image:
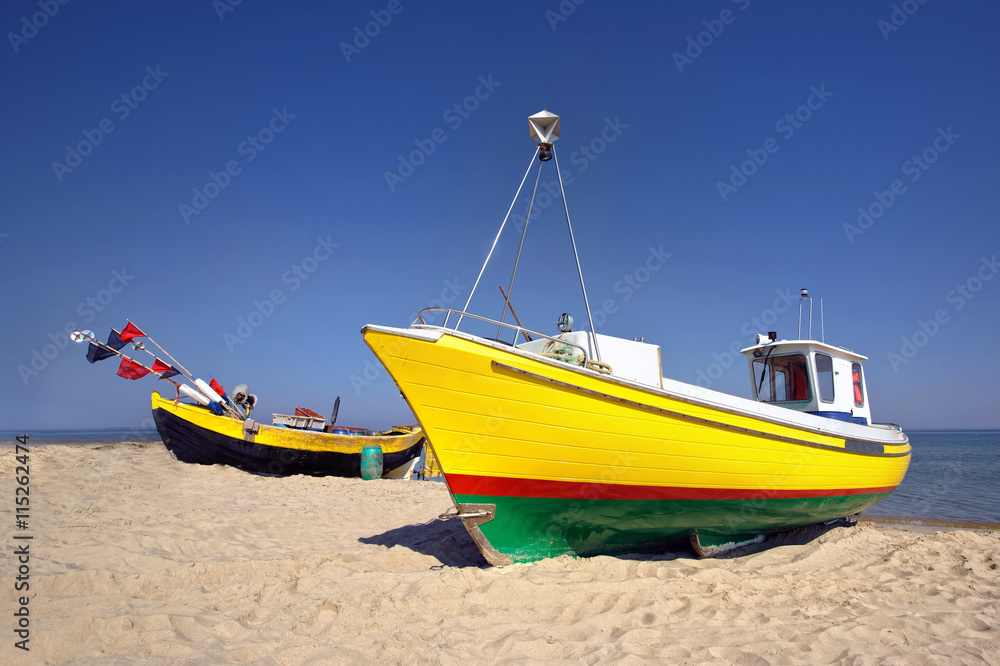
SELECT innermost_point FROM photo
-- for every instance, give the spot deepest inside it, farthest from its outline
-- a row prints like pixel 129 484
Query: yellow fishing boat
pixel 217 428
pixel 193 434
pixel 576 443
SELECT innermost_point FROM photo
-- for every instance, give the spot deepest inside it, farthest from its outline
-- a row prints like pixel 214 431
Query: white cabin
pixel 631 359
pixel 804 375
pixel 809 376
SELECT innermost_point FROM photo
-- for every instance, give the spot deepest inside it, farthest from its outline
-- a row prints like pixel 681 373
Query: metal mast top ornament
pixel 544 129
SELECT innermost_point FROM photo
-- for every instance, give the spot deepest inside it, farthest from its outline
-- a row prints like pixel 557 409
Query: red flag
pixel 164 369
pixel 217 387
pixel 131 331
pixel 131 370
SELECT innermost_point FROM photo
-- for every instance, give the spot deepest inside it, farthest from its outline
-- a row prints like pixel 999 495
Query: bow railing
pixel 529 335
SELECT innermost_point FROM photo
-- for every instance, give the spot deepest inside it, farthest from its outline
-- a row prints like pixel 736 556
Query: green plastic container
pixel 371 462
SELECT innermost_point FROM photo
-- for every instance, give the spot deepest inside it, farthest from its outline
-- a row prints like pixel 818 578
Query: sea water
pixel 954 475
pixel 85 436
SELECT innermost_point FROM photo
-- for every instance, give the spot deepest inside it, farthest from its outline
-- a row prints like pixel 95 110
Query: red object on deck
pixel 305 411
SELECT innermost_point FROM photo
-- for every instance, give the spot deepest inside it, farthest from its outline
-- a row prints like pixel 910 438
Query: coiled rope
pixel 571 355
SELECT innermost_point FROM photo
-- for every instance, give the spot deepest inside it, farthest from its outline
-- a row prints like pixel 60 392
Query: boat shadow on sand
pixel 446 540
pixel 450 543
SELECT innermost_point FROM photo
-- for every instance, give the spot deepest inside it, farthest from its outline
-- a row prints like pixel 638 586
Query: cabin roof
pixel 805 345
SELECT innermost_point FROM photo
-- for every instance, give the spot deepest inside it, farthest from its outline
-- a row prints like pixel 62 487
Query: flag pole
pixel 232 412
pixel 166 353
pixel 229 408
pixel 170 357
pixel 140 347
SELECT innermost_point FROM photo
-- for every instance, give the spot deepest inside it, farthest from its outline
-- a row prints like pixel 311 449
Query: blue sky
pixel 187 165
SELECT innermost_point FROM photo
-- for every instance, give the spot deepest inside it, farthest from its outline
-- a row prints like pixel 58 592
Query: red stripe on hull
pixel 465 484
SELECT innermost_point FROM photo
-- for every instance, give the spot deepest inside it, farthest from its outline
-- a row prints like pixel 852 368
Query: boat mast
pixel 494 246
pixel 517 261
pixel 545 130
pixel 579 269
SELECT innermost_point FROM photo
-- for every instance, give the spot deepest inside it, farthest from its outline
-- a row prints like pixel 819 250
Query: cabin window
pixel 824 377
pixel 859 392
pixel 782 378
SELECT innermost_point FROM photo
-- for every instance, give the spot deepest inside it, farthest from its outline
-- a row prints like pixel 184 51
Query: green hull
pixel 525 529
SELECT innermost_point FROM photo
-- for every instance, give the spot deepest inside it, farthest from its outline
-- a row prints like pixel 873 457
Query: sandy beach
pixel 137 557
